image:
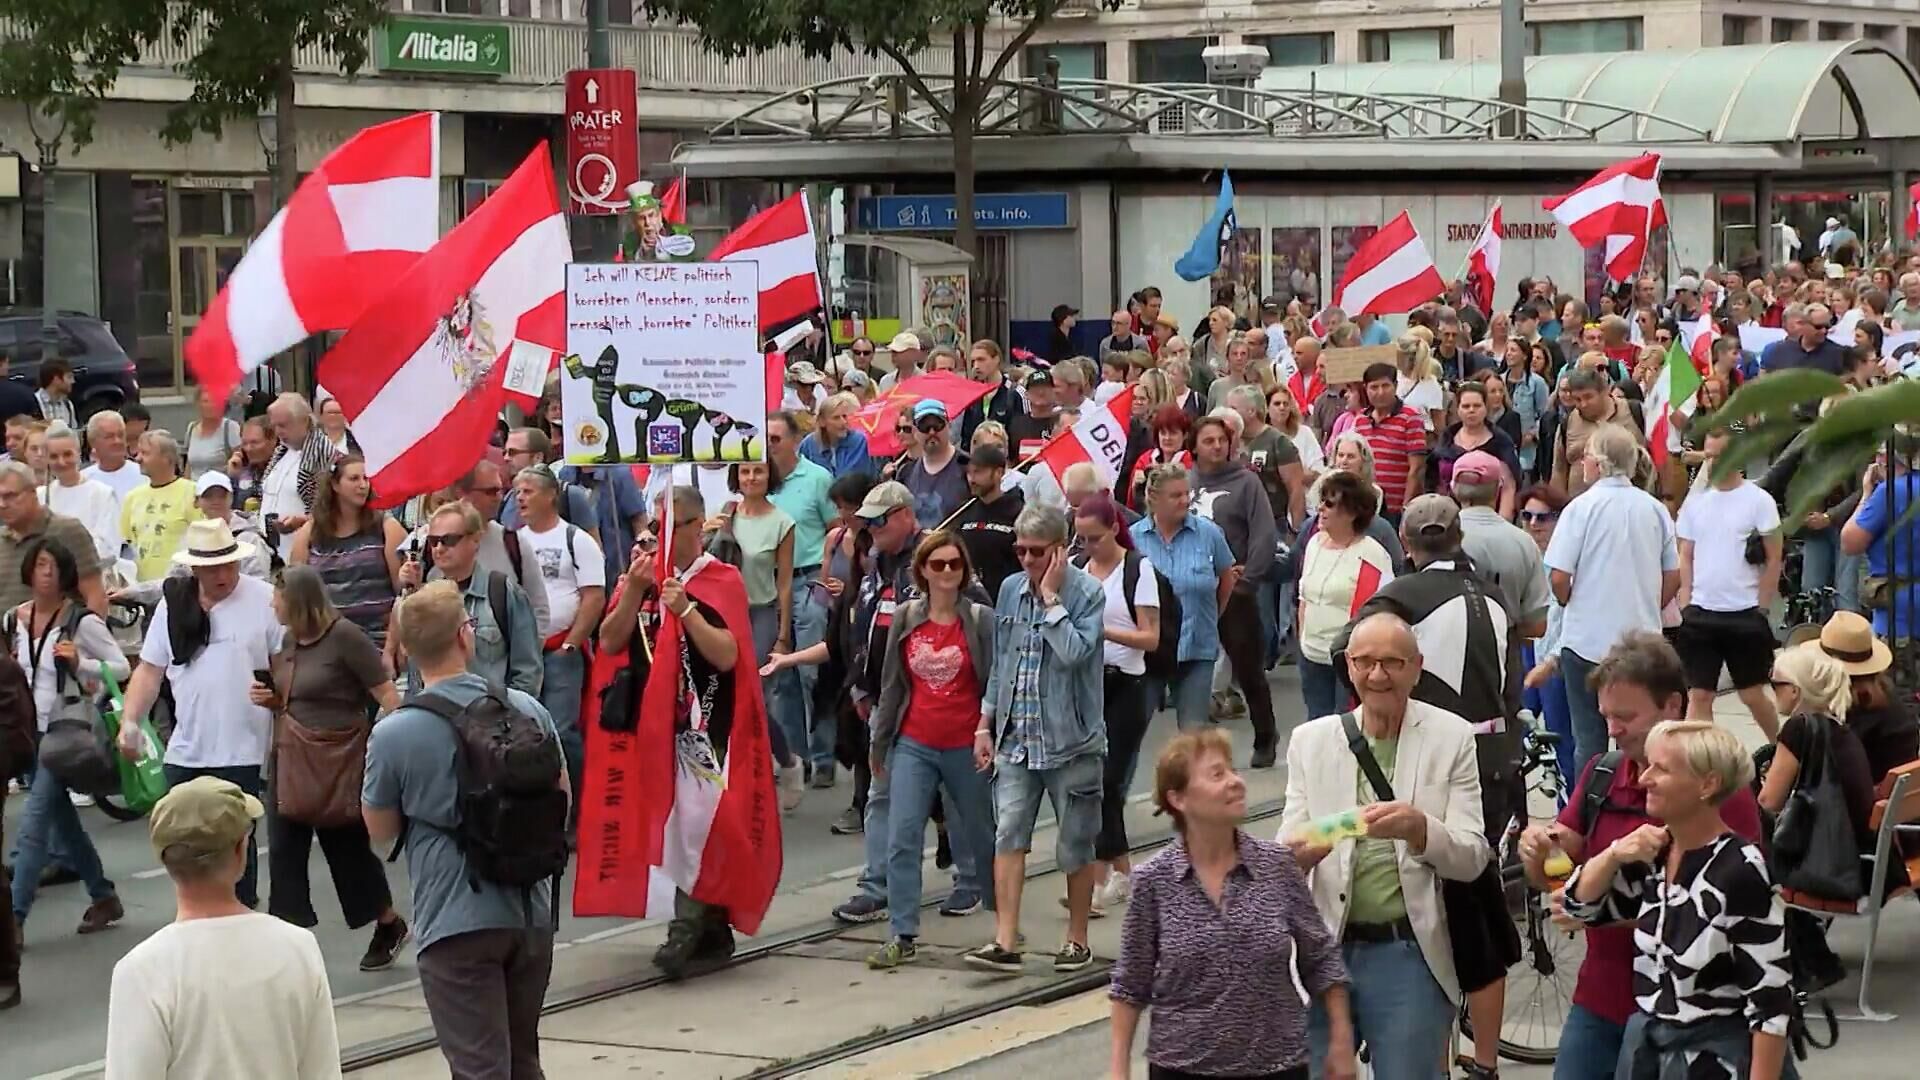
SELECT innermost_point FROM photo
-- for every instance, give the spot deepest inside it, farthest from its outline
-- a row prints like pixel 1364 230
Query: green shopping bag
pixel 142 782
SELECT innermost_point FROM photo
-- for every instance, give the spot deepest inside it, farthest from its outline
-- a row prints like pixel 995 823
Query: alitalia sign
pixel 445 46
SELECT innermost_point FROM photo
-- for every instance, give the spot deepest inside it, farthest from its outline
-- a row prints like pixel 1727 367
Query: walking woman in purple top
pixel 1222 940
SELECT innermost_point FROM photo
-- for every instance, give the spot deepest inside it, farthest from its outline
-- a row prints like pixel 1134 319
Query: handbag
pixel 76 747
pixel 317 772
pixel 1814 848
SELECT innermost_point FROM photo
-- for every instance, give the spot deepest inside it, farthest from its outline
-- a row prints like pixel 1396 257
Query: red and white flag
pixel 1483 262
pixel 1100 439
pixel 424 371
pixel 780 239
pixel 357 222
pixel 1619 208
pixel 1391 274
pixel 1913 211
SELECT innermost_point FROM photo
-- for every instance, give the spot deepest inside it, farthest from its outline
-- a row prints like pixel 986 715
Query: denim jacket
pixel 849 455
pixel 1072 702
pixel 896 682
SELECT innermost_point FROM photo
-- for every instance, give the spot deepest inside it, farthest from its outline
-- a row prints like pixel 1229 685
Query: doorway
pixel 200 269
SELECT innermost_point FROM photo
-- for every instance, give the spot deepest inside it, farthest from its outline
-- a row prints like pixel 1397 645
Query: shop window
pixel 1077 61
pixel 1175 60
pixel 1789 30
pixel 1872 32
pixel 1380 46
pixel 1836 31
pixel 1739 29
pixel 1296 50
pixel 1584 36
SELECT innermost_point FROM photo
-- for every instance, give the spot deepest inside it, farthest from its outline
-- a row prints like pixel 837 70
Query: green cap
pixel 207 815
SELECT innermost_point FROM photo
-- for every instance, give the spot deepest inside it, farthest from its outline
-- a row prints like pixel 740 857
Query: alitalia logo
pixel 450 47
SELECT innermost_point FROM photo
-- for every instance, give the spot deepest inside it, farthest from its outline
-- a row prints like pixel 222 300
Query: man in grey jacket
pixel 1228 493
pixel 1043 729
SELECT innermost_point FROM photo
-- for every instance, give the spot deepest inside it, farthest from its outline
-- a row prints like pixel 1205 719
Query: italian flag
pixel 1672 396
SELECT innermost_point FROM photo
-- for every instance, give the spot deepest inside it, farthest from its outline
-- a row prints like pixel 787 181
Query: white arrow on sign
pixel 593 91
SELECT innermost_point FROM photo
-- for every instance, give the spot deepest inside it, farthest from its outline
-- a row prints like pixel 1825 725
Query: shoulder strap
pixel 572 555
pixel 1473 686
pixel 1363 753
pixel 510 539
pixel 1599 782
pixel 497 600
pixel 1130 581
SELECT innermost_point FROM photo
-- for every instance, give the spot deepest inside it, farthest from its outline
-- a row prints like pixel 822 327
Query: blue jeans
pixel 876 836
pixel 1549 703
pixel 49 822
pixel 1583 706
pixel 1823 564
pixel 1192 689
pixel 248 779
pixel 814 733
pixel 764 620
pixel 1589 1047
pixel 1399 1011
pixel 920 771
pixel 560 692
pixel 1319 689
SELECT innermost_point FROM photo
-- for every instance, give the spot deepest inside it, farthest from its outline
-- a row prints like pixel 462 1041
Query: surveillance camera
pixel 805 97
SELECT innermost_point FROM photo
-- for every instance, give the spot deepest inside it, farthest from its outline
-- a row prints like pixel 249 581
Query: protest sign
pixel 1343 366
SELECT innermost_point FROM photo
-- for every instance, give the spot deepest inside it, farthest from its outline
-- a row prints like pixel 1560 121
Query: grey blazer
pixel 896 683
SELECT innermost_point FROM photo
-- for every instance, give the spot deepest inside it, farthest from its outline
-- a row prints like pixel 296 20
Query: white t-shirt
pixel 93 504
pixel 564 573
pixel 1424 395
pixel 1146 594
pixel 122 480
pixel 182 1008
pixel 215 725
pixel 91 639
pixel 1717 524
pixel 280 496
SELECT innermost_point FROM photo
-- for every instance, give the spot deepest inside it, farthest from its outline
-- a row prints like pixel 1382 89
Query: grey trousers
pixel 484 990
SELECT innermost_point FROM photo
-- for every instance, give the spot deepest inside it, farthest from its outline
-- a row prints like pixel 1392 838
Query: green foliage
pixel 60 57
pixel 244 46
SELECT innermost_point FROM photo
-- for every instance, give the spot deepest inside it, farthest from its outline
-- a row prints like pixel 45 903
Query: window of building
pixel 619 12
pixel 1077 61
pixel 1296 50
pixel 1170 61
pixel 459 7
pixel 1913 45
pixel 1739 29
pixel 1836 31
pixel 1584 36
pixel 1789 30
pixel 1876 33
pixel 520 9
pixel 1380 46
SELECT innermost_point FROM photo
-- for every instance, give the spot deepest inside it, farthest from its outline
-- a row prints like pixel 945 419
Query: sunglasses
pixel 445 540
pixel 1024 552
pixel 928 427
pixel 944 566
pixel 903 429
pixel 862 352
pixel 1536 517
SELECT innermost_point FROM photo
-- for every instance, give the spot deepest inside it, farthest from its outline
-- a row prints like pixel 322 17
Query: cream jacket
pixel 1438 772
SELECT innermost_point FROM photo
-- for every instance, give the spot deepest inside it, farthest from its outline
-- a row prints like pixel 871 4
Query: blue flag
pixel 1203 258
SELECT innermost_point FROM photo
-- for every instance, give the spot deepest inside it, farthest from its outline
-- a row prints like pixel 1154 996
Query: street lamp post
pixel 47 152
pixel 266 127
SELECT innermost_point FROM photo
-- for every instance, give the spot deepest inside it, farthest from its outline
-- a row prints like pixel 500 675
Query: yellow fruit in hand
pixel 1558 865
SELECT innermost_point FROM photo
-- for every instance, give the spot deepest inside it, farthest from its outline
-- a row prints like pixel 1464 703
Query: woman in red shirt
pixel 1171 428
pixel 932 681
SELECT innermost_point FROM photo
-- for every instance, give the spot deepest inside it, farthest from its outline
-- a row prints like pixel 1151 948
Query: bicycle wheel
pixel 111 806
pixel 1540 986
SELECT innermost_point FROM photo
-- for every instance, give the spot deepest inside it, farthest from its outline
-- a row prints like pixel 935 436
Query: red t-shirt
pixel 1394 442
pixel 943 704
pixel 1605 985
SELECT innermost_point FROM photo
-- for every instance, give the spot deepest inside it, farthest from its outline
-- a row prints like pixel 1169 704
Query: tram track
pixel 407 1044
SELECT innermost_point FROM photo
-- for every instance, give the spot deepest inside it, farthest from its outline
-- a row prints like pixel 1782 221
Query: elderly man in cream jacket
pixel 1376 863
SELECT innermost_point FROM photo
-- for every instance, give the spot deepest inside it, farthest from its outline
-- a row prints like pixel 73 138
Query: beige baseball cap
pixel 207 815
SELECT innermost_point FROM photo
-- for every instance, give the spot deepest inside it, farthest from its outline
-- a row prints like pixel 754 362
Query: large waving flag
pixel 1391 274
pixel 423 373
pixel 780 239
pixel 878 416
pixel 1618 209
pixel 358 221
pixel 1100 438
pixel 1671 395
pixel 1483 262
pixel 1203 258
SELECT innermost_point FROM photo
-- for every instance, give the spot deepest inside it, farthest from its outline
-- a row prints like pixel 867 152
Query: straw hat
pixel 210 542
pixel 1849 638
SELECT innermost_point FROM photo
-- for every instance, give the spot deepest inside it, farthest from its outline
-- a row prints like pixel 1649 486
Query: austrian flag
pixel 1391 273
pixel 1483 262
pixel 780 239
pixel 1618 209
pixel 424 371
pixel 1100 439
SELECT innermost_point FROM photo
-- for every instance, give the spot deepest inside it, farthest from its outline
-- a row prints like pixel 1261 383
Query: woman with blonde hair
pixel 1210 351
pixel 1179 373
pixel 1712 983
pixel 836 445
pixel 1814 693
pixel 1419 380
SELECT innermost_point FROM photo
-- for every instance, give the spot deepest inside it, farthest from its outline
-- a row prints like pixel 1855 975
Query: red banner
pixel 603 139
pixel 879 416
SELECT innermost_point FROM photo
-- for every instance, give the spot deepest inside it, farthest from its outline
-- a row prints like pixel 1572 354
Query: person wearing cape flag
pixel 679 815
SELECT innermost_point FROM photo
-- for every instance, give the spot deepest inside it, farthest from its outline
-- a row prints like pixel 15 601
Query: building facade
pixel 143 233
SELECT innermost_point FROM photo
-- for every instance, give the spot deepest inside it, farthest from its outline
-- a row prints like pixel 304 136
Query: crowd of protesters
pixel 1444 547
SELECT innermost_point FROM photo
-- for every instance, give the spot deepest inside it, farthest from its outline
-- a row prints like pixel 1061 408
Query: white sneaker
pixel 792 782
pixel 1116 890
pixel 78 799
pixel 14 788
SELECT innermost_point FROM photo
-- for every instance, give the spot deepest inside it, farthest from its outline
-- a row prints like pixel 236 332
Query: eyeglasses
pixel 1778 683
pixel 1023 552
pixel 445 540
pixel 1538 517
pixel 931 425
pixel 903 429
pixel 944 566
pixel 1392 665
pixel 861 352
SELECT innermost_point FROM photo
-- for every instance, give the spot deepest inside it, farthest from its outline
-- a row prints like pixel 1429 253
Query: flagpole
pixel 1466 262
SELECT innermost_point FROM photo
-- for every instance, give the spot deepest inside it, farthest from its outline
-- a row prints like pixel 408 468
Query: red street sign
pixel 603 141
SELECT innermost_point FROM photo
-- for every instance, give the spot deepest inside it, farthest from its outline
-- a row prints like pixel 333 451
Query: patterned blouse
pixel 1712 944
pixel 1230 985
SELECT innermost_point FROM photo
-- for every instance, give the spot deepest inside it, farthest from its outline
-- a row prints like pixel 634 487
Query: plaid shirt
pixel 1023 720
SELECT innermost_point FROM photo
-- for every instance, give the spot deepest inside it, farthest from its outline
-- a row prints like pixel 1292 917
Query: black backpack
pixel 1163 660
pixel 513 814
pixel 1593 798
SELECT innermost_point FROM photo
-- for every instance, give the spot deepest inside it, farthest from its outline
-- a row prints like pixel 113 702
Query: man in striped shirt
pixel 1397 436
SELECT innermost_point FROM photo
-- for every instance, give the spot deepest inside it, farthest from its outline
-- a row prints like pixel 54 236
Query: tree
pixel 898 29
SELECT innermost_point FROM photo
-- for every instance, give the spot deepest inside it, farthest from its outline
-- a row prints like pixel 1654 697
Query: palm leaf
pixel 1826 467
pixel 1755 442
pixel 1877 410
pixel 1776 395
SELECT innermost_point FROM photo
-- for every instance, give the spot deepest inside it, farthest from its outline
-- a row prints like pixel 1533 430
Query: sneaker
pixel 960 904
pixel 861 909
pixel 1072 957
pixel 1116 890
pixel 994 958
pixel 14 788
pixel 101 914
pixel 79 800
pixel 384 949
pixel 822 778
pixel 793 786
pixel 893 954
pixel 1095 910
pixel 1263 757
pixel 851 822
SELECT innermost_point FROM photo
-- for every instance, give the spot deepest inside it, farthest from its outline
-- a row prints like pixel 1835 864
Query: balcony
pixel 666 58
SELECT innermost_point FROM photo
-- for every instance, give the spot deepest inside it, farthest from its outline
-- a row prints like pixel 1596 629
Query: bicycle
pixel 1540 986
